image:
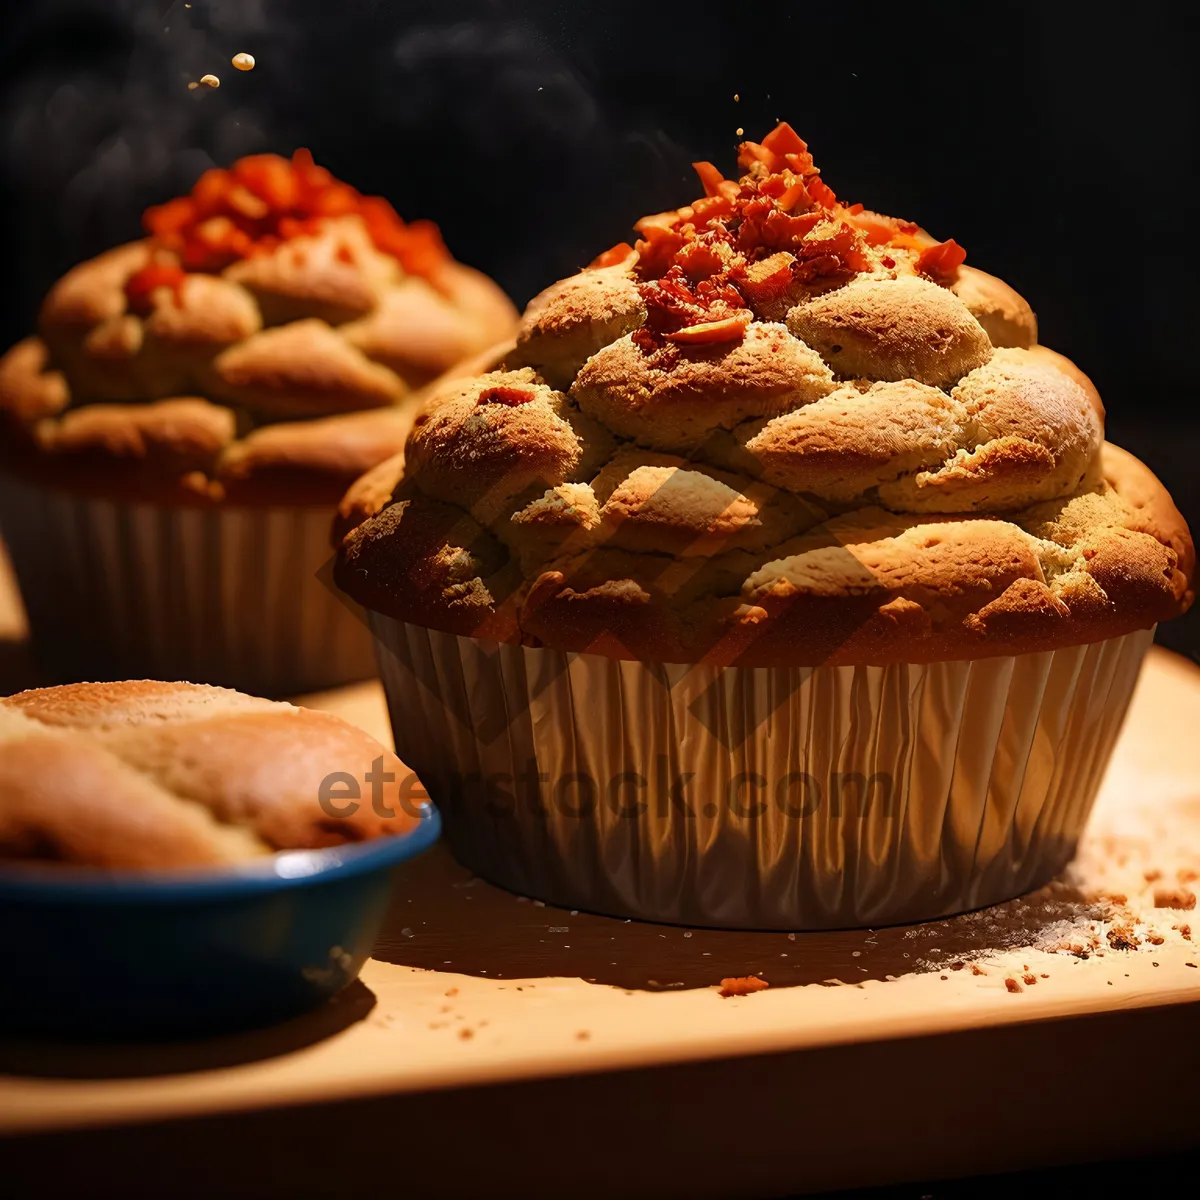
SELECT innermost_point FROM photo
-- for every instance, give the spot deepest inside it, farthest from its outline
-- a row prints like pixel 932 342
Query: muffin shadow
pixel 443 918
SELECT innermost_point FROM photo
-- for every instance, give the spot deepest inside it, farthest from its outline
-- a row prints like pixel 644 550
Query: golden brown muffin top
pixel 779 428
pixel 144 775
pixel 261 345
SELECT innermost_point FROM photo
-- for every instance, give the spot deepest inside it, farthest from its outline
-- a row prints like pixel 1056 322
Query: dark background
pixel 1057 142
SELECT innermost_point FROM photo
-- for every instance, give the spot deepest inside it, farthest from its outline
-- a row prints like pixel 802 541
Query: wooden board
pixel 610 1038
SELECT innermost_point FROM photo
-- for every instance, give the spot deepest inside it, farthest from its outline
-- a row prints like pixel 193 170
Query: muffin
pixel 778 579
pixel 141 775
pixel 174 439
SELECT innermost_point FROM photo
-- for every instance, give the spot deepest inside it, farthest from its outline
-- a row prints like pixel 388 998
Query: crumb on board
pixel 466 1034
pixel 1187 875
pixel 976 969
pixel 1155 939
pixel 1013 985
pixel 582 1036
pixel 1122 937
pixel 1178 897
pixel 1185 931
pixel 1151 875
pixel 452 992
pixel 742 986
pixel 1030 978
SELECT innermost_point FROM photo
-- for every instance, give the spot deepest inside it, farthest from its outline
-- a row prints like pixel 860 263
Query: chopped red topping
pixel 505 394
pixel 613 256
pixel 767 279
pixel 672 303
pixel 746 242
pixel 264 200
pixel 941 260
pixel 141 286
pixel 725 329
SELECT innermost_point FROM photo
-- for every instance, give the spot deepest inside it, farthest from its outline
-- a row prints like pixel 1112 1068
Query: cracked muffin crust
pixel 779 429
pixel 260 346
pixel 144 775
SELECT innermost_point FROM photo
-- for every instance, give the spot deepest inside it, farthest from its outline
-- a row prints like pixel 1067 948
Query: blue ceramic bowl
pixel 188 953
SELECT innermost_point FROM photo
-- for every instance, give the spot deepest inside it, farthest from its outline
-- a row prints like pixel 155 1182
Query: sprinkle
pixel 243 61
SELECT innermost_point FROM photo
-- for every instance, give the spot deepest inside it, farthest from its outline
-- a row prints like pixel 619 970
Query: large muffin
pixel 258 350
pixel 780 432
pixel 780 429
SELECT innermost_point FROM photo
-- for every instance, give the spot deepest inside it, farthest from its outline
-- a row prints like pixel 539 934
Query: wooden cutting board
pixel 496 1044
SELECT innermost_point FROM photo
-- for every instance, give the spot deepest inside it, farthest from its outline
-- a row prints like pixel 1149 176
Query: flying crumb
pixel 736 97
pixel 1179 897
pixel 742 987
pixel 1153 874
pixel 210 81
pixel 193 86
pixel 243 61
pixel 1013 985
pixel 1186 875
pixel 740 131
pixel 1185 931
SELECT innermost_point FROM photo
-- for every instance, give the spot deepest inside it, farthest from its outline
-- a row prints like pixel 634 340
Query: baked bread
pixel 145 775
pixel 780 429
pixel 261 345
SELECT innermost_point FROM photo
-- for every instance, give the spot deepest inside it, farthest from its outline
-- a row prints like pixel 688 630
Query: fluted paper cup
pixel 230 596
pixel 767 798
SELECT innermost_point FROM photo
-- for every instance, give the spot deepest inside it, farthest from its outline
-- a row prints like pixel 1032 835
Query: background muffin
pixel 781 432
pixel 194 404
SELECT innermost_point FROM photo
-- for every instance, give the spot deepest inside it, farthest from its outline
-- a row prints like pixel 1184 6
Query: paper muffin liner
pixel 768 798
pixel 231 596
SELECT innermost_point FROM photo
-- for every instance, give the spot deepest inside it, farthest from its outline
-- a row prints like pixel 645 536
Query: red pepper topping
pixel 781 212
pixel 264 200
pixel 613 256
pixel 511 397
pixel 673 304
pixel 141 286
pixel 942 260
